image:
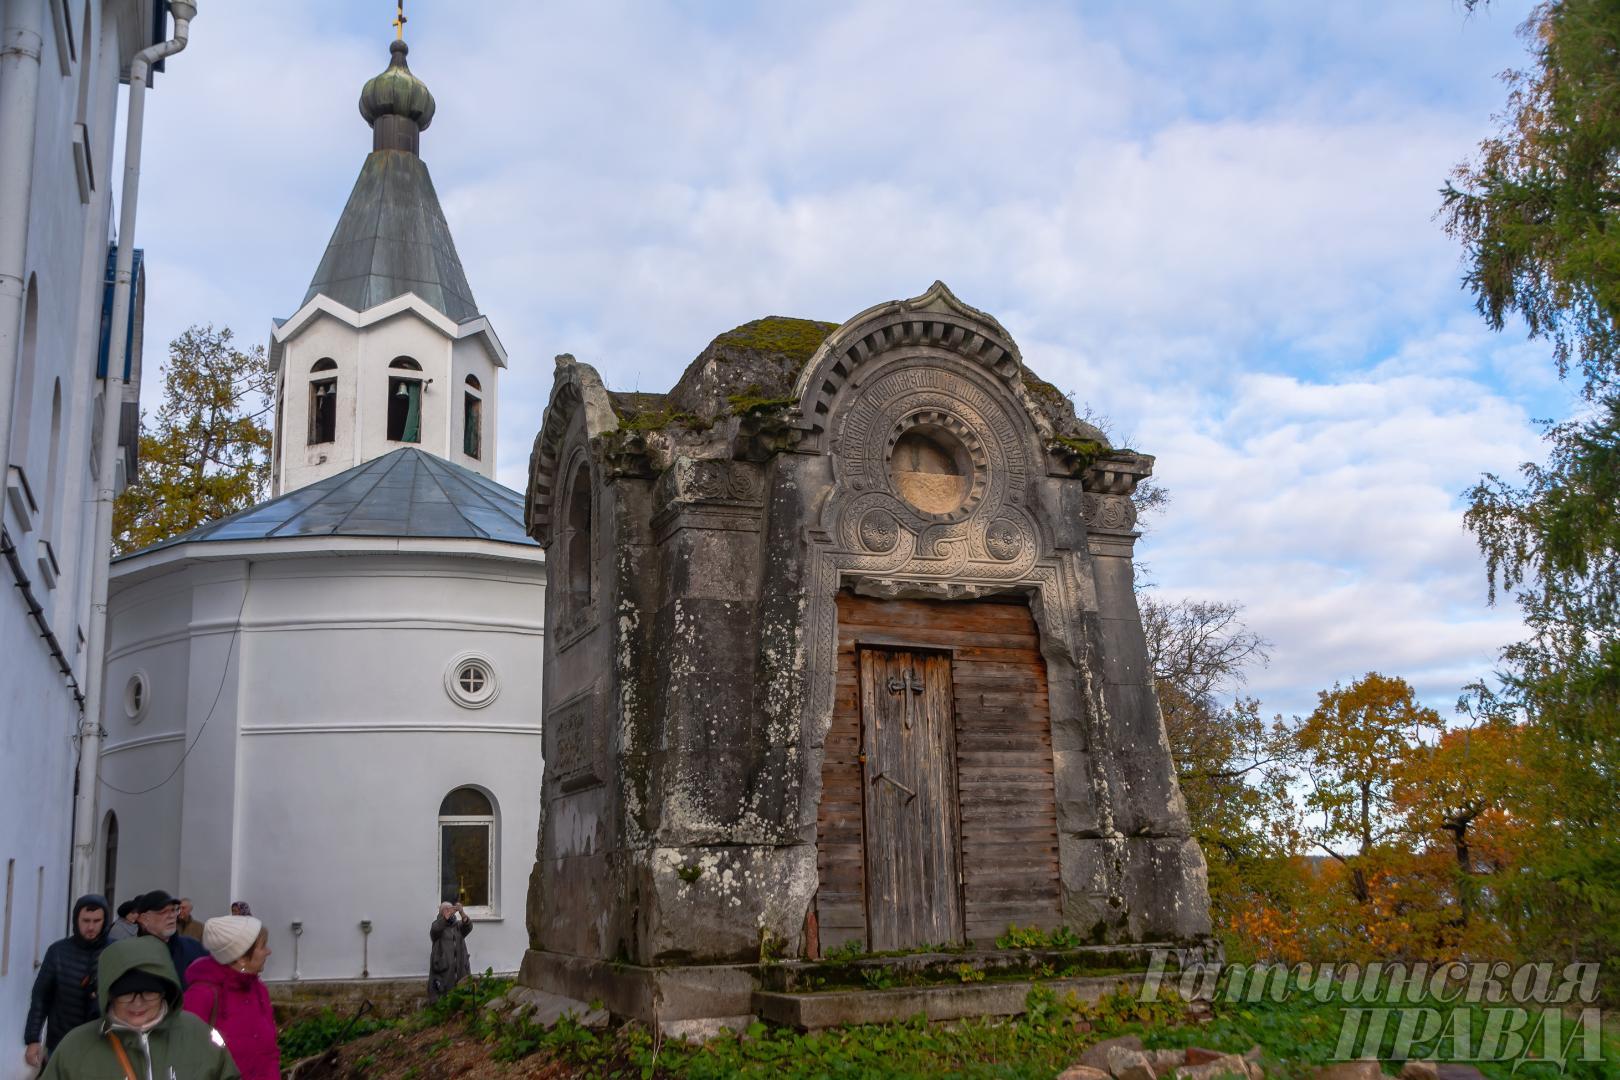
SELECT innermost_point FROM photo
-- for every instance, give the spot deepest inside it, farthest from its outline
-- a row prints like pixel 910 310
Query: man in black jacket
pixel 158 915
pixel 65 988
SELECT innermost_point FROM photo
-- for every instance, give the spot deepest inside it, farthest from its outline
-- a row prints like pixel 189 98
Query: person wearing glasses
pixel 143 1032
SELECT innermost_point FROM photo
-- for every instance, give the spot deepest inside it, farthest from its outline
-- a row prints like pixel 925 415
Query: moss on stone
pixel 1086 450
pixel 753 401
pixel 660 420
pixel 1042 390
pixel 782 335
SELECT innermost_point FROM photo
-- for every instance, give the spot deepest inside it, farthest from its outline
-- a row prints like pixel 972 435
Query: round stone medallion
pixel 879 531
pixel 933 466
pixel 1003 540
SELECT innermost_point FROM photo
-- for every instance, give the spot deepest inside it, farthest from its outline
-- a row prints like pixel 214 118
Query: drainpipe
pixel 21 40
pixel 112 399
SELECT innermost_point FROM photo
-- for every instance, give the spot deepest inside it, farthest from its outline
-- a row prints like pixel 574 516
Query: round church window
pixel 931 470
pixel 470 681
pixel 136 695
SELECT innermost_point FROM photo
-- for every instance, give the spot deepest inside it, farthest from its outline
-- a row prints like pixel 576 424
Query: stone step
pixel 832 1008
pixel 547 1010
pixel 797 976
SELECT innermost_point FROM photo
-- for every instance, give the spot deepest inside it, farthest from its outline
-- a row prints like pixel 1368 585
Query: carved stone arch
pixel 577 394
pixel 936 320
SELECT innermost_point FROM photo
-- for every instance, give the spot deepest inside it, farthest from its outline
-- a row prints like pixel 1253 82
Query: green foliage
pixel 852 949
pixel 1033 937
pixel 1535 212
pixel 467 997
pixel 1353 746
pixel 323 1031
pixel 689 874
pixel 207 453
pixel 771 946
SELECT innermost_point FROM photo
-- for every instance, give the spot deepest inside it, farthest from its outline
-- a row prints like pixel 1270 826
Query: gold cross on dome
pixel 399 21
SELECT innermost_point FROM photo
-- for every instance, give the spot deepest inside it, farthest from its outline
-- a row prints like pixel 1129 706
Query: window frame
pixel 460 694
pixel 319 388
pixel 491 824
pixel 472 424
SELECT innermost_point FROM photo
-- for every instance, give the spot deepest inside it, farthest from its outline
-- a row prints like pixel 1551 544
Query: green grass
pixel 1295 1035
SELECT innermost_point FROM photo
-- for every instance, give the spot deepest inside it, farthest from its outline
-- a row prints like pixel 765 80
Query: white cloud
pixel 1213 224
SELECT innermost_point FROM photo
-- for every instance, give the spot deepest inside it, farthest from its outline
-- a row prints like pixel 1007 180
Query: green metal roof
pixel 393 239
pixel 405 493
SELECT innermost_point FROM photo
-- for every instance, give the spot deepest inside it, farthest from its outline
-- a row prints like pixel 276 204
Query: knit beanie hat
pixel 229 937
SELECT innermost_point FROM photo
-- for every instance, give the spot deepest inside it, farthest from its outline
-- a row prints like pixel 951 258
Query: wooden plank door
pixel 908 747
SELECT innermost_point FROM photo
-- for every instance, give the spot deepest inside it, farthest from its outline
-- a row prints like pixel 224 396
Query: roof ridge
pixel 365 469
pixel 440 481
pixel 477 481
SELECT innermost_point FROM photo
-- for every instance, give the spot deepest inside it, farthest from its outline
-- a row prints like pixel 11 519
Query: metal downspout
pixel 112 397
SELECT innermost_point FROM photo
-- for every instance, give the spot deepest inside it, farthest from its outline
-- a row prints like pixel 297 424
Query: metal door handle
pixel 885 776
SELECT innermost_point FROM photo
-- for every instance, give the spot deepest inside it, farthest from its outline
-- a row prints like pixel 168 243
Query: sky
pixel 1212 224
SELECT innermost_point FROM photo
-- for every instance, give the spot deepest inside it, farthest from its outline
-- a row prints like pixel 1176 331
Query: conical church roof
pixel 392 237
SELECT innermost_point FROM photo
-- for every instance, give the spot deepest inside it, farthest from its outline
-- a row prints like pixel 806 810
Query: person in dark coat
pixel 158 914
pixel 449 963
pixel 143 1031
pixel 65 987
pixel 125 926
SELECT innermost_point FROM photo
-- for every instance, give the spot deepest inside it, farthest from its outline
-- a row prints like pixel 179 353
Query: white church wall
pixel 377 854
pixel 403 335
pixel 470 357
pixel 150 640
pixel 301 461
pixel 220 665
pixel 322 806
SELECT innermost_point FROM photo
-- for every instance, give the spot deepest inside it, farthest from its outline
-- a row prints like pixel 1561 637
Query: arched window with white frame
pixel 467 838
pixel 472 418
pixel 404 401
pixel 323 401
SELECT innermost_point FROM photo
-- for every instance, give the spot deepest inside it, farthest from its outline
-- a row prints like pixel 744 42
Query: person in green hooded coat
pixel 143 1033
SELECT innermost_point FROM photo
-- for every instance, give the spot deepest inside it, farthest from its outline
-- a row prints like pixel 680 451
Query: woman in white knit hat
pixel 224 989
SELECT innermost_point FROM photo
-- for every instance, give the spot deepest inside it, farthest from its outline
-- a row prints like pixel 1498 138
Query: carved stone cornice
pixel 710 493
pixel 1117 472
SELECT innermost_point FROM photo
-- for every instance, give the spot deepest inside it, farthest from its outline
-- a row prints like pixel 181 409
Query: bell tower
pixel 388 350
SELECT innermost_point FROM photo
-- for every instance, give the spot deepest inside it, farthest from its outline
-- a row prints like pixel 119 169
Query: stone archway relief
pixel 985 540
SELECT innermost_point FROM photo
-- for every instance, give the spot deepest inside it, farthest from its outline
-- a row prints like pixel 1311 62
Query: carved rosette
pixel 711 480
pixel 1110 513
pixel 935 469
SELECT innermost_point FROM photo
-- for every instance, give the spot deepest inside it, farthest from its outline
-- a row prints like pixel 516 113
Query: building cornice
pixel 284 331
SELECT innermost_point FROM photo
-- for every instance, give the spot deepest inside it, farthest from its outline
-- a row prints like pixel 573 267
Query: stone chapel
pixel 842 648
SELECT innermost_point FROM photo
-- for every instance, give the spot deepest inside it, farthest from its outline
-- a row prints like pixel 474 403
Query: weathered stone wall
pixel 688 701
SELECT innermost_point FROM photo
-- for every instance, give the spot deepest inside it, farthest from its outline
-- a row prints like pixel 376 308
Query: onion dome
pixel 396 104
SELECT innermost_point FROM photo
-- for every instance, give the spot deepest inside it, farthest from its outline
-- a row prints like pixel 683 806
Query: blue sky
pixel 1213 224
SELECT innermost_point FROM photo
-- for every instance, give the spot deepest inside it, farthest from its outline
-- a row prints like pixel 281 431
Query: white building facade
pixel 327 706
pixel 62 64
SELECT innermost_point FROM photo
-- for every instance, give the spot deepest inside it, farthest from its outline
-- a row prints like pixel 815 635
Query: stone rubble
pixel 1125 1058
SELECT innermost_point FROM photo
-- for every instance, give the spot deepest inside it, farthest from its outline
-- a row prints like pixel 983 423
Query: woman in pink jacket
pixel 224 989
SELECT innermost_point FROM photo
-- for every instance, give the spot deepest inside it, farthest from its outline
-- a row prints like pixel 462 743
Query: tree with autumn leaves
pixel 206 454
